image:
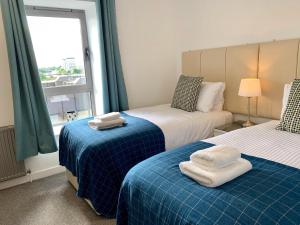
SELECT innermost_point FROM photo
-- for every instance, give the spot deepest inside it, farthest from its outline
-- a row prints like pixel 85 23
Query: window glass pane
pixel 58 48
pixel 64 108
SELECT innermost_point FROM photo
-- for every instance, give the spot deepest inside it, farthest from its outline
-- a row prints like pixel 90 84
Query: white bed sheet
pixel 264 141
pixel 181 127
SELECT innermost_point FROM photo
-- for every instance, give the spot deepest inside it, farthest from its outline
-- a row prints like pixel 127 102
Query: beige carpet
pixel 50 201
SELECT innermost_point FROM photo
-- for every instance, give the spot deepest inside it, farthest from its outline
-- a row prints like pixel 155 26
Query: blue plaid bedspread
pixel 101 159
pixel 155 192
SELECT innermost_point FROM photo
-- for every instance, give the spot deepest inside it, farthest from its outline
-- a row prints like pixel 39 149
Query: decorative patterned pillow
pixel 187 93
pixel 290 120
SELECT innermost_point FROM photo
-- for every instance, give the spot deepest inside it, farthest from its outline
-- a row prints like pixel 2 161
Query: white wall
pixel 152 33
pixel 217 23
pixel 6 103
pixel 148 49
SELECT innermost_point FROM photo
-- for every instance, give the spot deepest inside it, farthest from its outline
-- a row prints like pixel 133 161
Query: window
pixel 60 43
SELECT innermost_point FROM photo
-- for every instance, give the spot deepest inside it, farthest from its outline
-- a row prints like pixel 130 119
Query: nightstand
pixel 228 127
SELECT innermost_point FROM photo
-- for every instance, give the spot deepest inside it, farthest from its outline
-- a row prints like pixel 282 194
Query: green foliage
pixel 44 77
pixel 58 70
pixel 76 71
pixel 44 70
pixel 61 71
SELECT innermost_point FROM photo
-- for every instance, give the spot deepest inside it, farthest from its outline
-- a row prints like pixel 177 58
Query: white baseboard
pixel 47 172
pixel 31 177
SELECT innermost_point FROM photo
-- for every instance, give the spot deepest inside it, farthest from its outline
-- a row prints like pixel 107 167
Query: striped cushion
pixel 290 120
pixel 187 93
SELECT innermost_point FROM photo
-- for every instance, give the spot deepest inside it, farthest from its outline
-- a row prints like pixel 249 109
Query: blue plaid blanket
pixel 101 159
pixel 155 192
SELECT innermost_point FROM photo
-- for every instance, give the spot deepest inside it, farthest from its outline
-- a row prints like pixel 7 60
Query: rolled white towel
pixel 216 156
pixel 100 125
pixel 216 178
pixel 108 117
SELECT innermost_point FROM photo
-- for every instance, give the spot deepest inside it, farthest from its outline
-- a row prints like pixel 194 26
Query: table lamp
pixel 249 87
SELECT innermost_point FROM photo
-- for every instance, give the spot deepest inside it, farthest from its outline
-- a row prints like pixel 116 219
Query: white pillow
pixel 211 96
pixel 285 99
pixel 219 102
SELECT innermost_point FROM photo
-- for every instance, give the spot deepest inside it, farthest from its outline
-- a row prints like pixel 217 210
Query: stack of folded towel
pixel 215 166
pixel 107 121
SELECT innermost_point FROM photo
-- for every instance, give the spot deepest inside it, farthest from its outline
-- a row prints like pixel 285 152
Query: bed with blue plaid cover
pixel 101 159
pixel 155 192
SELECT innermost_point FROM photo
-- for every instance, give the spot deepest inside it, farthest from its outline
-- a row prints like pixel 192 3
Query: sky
pixel 55 39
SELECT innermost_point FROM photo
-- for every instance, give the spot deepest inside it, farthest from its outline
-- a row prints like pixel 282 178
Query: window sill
pixel 57 129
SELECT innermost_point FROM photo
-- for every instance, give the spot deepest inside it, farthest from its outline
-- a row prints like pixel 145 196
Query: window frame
pixel 76 14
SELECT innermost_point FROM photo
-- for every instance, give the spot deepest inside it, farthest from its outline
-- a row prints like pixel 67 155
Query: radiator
pixel 9 167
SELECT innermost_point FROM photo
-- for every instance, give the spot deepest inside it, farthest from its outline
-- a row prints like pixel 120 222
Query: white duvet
pixel 264 141
pixel 181 127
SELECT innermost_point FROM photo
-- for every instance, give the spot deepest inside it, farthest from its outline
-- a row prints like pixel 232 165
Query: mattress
pixel 181 127
pixel 264 141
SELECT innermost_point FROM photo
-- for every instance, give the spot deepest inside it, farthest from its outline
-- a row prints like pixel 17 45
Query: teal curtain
pixel 114 90
pixel 34 133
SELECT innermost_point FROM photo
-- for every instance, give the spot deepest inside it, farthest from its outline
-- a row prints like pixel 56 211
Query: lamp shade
pixel 250 87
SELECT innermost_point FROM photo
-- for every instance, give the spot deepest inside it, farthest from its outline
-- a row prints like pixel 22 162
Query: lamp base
pixel 248 123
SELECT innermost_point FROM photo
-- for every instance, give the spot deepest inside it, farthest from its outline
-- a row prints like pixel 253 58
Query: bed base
pixel 73 180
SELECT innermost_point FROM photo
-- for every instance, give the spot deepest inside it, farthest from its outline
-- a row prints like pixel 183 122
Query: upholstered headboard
pixel 274 63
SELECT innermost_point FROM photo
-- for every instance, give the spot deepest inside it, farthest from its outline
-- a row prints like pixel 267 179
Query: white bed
pixel 264 141
pixel 181 127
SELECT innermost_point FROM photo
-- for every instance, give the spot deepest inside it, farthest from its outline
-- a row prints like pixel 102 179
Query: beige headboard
pixel 274 63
